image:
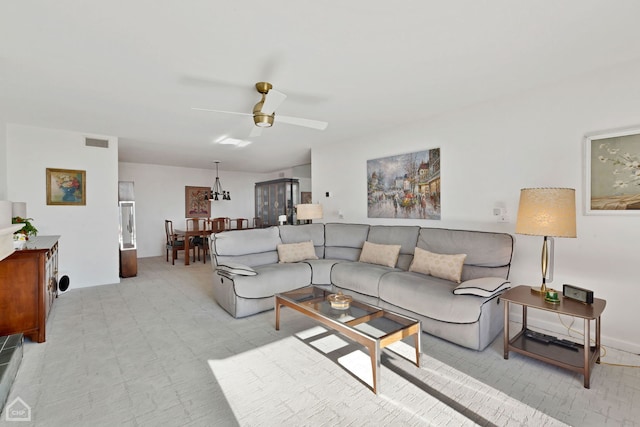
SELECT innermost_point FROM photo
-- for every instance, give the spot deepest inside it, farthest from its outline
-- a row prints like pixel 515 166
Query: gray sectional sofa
pixel 247 273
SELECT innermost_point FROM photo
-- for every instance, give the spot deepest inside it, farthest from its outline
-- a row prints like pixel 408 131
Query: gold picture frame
pixel 66 187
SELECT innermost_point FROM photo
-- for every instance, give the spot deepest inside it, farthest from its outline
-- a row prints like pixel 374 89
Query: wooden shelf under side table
pixel 580 361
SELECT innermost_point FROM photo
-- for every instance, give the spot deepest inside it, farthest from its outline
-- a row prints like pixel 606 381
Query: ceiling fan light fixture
pixel 264 114
pixel 264 87
pixel 263 120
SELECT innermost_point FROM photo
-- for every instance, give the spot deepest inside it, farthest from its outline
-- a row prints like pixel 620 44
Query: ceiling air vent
pixel 94 142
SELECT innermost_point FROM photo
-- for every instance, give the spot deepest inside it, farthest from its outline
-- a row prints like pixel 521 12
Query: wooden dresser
pixel 28 287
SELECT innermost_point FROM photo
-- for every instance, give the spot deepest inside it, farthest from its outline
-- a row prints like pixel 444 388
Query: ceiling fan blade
pixel 221 111
pixel 273 101
pixel 255 131
pixel 315 124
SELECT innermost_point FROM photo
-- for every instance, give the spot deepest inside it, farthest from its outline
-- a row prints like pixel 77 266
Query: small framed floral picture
pixel 612 173
pixel 66 187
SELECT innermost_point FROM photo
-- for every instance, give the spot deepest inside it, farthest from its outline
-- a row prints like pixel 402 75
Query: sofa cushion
pixel 358 276
pixel 304 233
pixel 254 260
pixel 321 270
pixel 447 267
pixel 404 235
pixel 295 252
pixel 482 287
pixel 344 241
pixel 429 296
pixel 488 253
pixel 243 242
pixel 272 279
pixel 374 253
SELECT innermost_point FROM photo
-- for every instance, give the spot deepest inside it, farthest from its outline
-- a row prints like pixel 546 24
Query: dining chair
pixel 241 223
pixel 217 225
pixel 194 223
pixel 175 243
pixel 257 222
pixel 198 242
pixel 211 225
pixel 226 221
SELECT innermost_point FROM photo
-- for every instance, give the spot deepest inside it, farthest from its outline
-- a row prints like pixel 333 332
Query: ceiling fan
pixel 264 111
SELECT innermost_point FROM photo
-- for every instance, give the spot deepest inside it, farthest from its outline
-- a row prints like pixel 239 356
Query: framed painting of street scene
pixel 404 186
pixel 612 173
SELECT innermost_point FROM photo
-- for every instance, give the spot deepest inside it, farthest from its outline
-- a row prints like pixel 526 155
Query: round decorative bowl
pixel 339 301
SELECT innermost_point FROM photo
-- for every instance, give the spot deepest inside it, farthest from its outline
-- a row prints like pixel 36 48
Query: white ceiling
pixel 134 68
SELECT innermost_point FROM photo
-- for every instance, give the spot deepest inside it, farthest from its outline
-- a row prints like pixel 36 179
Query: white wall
pixel 490 152
pixel 3 160
pixel 89 234
pixel 159 194
pixel 302 173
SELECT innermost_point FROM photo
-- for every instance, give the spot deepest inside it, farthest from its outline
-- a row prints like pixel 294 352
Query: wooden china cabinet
pixel 28 287
pixel 275 198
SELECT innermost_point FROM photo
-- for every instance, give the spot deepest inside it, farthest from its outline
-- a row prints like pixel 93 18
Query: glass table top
pixel 368 319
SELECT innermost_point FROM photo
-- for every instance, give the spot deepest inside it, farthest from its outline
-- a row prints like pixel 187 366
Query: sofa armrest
pixel 482 287
pixel 234 268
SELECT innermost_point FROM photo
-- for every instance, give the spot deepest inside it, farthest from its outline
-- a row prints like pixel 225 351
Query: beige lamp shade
pixel 309 211
pixel 547 212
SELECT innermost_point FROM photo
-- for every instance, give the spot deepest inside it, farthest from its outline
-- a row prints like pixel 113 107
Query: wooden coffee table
pixel 370 326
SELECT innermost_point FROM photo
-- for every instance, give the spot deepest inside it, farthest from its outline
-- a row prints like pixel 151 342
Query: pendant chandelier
pixel 217 191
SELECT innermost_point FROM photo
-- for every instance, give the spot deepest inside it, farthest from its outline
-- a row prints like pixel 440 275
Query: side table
pixel 580 361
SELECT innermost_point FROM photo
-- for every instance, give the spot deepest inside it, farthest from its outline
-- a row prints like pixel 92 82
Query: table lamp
pixel 308 212
pixel 547 212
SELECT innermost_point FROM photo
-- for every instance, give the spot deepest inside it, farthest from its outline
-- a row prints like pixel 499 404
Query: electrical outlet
pixel 503 218
pixel 501 214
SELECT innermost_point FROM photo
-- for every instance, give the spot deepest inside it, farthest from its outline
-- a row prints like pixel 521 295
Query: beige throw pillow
pixel 447 267
pixel 374 253
pixel 294 252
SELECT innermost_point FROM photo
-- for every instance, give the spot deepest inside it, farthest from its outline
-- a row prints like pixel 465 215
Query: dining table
pixel 204 233
pixel 188 234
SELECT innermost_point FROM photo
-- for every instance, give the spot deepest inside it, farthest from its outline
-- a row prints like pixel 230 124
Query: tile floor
pixel 157 350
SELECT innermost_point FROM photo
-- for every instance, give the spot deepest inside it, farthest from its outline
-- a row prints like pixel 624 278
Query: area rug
pixel 318 378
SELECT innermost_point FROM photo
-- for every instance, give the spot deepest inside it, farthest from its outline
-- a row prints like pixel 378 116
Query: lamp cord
pixel 603 349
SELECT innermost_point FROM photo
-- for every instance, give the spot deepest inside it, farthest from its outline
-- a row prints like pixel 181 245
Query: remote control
pixel 566 343
pixel 538 336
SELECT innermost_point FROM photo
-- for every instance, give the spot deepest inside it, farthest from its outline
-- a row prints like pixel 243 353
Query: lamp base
pixel 539 290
